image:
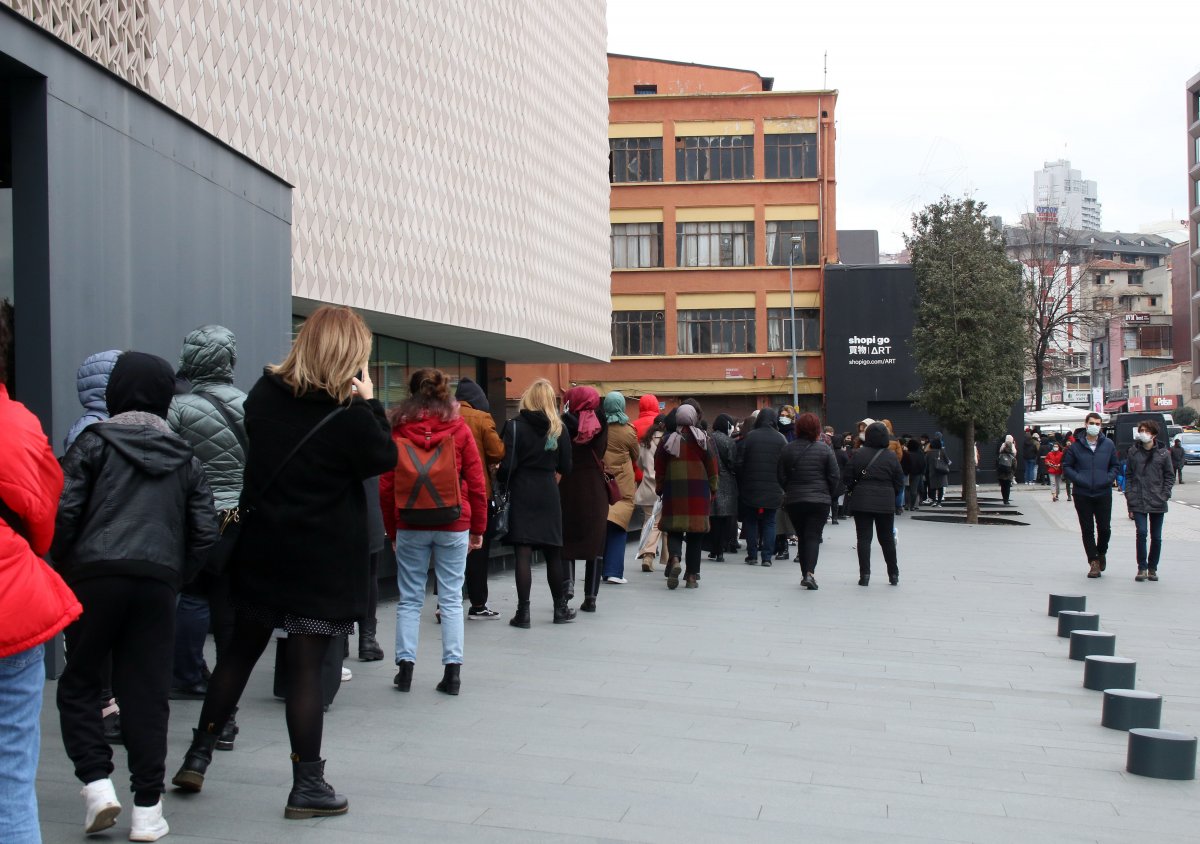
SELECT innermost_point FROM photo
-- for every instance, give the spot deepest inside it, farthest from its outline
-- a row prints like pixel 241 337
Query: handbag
pixel 501 504
pixel 611 487
pixel 234 520
pixel 941 464
pixel 853 482
pixel 228 521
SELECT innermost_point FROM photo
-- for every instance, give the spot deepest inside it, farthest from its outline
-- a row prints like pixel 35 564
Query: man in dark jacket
pixel 1178 458
pixel 1091 464
pixel 134 523
pixel 759 492
pixel 1029 453
pixel 475 409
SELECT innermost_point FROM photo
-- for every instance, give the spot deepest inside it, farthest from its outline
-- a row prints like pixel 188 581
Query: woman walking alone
pixel 418 513
pixel 809 475
pixel 536 457
pixel 685 471
pixel 1054 458
pixel 584 492
pixel 316 433
pixel 1149 478
pixel 874 481
pixel 620 458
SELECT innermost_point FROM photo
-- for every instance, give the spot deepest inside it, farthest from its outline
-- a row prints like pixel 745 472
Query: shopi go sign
pixel 871 351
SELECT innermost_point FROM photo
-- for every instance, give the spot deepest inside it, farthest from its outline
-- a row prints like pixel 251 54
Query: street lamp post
pixel 792 304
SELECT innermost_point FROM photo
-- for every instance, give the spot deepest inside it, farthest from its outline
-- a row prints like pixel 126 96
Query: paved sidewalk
pixel 944 709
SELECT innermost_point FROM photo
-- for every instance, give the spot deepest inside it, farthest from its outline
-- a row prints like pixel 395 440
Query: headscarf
pixel 614 408
pixel 581 402
pixel 723 423
pixel 685 417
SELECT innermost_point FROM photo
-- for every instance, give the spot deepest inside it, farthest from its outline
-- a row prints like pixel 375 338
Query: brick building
pixel 715 178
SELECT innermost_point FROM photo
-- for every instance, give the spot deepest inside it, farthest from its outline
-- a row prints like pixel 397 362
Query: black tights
pixel 305 702
pixel 556 571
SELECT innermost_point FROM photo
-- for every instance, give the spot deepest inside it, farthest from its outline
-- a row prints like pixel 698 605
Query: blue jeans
pixel 448 549
pixel 1155 521
pixel 22 677
pixel 760 532
pixel 614 550
pixel 191 629
pixel 1030 471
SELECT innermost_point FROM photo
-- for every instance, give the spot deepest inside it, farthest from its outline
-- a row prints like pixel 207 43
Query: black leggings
pixel 556 571
pixel 477 572
pixel 883 524
pixel 305 701
pixel 809 522
pixel 695 544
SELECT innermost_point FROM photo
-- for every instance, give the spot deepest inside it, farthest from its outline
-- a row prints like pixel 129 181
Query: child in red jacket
pixel 1054 468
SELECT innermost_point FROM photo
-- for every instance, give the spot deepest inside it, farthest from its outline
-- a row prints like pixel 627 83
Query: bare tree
pixel 1060 314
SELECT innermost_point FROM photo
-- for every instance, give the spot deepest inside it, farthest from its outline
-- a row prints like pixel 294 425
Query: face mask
pixel 785 421
pixel 1054 448
pixel 1143 436
pixel 1093 430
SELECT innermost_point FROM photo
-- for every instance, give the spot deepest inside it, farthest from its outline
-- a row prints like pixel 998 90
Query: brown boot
pixel 1094 568
pixel 647 562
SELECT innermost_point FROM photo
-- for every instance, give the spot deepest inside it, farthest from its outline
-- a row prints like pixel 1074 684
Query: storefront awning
pixel 1112 406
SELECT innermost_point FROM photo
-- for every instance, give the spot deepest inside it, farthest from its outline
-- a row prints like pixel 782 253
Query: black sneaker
pixel 485 613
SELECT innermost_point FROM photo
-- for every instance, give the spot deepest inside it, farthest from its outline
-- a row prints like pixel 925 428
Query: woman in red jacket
pixel 438 458
pixel 35 603
pixel 1054 467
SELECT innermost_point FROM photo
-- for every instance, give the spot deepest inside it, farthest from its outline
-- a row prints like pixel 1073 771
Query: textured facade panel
pixel 449 158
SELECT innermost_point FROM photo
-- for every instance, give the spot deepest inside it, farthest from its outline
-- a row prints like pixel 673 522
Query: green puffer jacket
pixel 207 360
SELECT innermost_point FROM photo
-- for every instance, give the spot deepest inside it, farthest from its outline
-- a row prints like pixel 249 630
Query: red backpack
pixel 427 489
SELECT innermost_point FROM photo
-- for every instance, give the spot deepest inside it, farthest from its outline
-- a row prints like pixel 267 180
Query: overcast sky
pixel 955 96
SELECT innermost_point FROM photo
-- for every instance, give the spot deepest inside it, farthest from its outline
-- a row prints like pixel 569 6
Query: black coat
pixel 584 497
pixel 808 473
pixel 135 502
pixel 758 464
pixel 527 472
pixel 304 548
pixel 843 461
pixel 875 491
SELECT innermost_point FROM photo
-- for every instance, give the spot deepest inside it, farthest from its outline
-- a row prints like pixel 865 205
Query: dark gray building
pixel 122 225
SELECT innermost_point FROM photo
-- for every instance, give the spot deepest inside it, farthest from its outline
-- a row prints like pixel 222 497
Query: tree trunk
pixel 1039 380
pixel 970 494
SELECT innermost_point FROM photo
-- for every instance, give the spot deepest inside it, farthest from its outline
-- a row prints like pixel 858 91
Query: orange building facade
pixel 717 180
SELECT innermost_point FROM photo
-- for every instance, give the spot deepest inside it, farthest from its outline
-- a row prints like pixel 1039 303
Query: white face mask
pixel 785 420
pixel 1093 430
pixel 1144 437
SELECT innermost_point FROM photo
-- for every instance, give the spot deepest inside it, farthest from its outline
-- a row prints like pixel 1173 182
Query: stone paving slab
pixel 944 709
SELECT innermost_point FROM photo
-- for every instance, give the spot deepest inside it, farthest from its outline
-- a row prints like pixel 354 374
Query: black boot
pixel 196 761
pixel 588 605
pixel 451 682
pixel 311 795
pixel 521 619
pixel 562 611
pixel 404 672
pixel 368 646
pixel 570 564
pixel 864 579
pixel 591 580
pixel 226 739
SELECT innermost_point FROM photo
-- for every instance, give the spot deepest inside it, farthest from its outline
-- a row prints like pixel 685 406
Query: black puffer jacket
pixel 808 473
pixel 875 491
pixel 135 503
pixel 758 464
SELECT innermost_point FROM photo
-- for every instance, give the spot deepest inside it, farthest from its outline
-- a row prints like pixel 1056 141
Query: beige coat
pixel 619 460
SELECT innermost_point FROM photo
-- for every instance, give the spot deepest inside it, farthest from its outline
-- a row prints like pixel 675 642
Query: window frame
pixel 808 324
pixel 695 160
pixel 623 322
pixel 684 238
pixel 809 250
pixel 801 156
pixel 647 242
pixel 715 331
pixel 646 154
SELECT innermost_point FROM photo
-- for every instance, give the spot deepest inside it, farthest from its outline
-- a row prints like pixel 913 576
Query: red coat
pixel 472 491
pixel 1054 462
pixel 647 410
pixel 35 603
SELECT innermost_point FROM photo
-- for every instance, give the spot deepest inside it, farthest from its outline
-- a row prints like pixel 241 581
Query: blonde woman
pixel 536 456
pixel 315 433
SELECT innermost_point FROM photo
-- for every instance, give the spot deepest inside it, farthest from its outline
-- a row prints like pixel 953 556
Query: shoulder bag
pixel 941 463
pixel 233 520
pixel 853 482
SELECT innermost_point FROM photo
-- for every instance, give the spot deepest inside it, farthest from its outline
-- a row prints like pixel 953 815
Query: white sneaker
pixel 346 675
pixel 615 580
pixel 148 823
pixel 102 806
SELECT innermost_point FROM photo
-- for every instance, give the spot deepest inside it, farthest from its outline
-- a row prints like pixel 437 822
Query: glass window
pixel 714 158
pixel 1137 392
pixel 729 331
pixel 391 370
pixel 779 330
pixel 635 160
pixel 636 245
pixel 779 240
pixel 1135 276
pixel 790 156
pixel 639 333
pixel 1079 382
pixel 714 244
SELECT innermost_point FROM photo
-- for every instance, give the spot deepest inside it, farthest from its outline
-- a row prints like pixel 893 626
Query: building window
pixel 779 241
pixel 1153 301
pixel 1079 382
pixel 1159 389
pixel 729 331
pixel 790 156
pixel 635 160
pixel 1135 277
pixel 639 333
pixel 1125 301
pixel 714 244
pixel 714 158
pixel 636 245
pixel 1137 392
pixel 643 90
pixel 779 330
pixel 1099 278
pixel 1153 338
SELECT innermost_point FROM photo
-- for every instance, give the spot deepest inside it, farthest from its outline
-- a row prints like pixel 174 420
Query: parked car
pixel 1191 447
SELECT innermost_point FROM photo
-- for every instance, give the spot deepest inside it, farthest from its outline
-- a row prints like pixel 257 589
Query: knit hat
pixel 140 381
pixel 473 394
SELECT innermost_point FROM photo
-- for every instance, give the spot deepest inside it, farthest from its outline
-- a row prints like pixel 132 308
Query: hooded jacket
pixel 1092 473
pixel 207 359
pixel 135 503
pixel 874 489
pixel 757 462
pixel 91 381
pixel 647 411
pixel 427 433
pixel 474 408
pixel 35 603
